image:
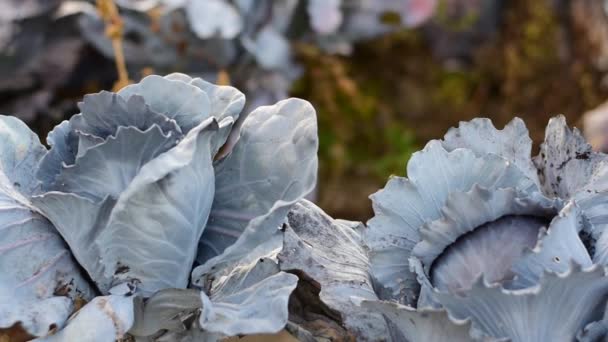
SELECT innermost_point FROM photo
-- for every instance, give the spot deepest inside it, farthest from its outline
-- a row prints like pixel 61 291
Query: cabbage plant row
pixel 141 222
pixel 49 45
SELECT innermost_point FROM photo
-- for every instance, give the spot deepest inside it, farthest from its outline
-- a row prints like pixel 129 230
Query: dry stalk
pixel 114 30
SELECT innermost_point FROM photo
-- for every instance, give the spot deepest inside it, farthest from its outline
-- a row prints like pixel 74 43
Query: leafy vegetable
pixel 40 280
pixel 488 243
pixel 191 229
pixel 131 183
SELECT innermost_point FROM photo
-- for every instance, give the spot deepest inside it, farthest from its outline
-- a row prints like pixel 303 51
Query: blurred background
pixel 385 76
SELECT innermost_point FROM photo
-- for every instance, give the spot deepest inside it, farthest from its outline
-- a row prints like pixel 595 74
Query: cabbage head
pixel 135 191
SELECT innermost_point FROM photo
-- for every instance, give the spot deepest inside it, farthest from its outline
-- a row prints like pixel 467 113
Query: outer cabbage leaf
pixel 37 266
pixel 331 254
pixel 568 168
pixel 251 299
pixel 34 317
pixel 480 136
pixel 424 324
pixel 149 232
pixel 104 319
pixel 556 309
pixel 63 150
pixel 594 331
pixel 272 166
pixel 102 116
pixel 566 162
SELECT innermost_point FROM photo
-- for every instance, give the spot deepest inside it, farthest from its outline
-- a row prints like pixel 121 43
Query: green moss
pixel 461 22
pixel 454 88
pixel 402 144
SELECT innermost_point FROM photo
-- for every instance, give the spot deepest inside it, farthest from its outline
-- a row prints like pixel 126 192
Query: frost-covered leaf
pixel 331 253
pixel 570 169
pixel 37 265
pixel 273 165
pixel 566 161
